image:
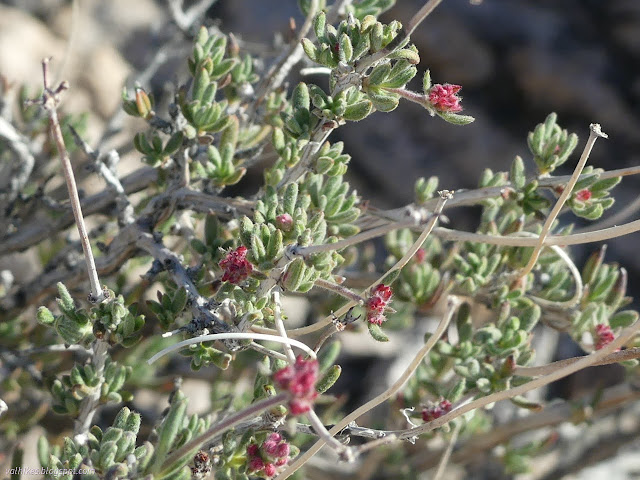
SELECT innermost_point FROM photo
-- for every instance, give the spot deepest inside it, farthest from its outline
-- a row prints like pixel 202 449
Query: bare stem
pixel 339 289
pixel 416 20
pixel 355 239
pixel 516 240
pixel 50 101
pixel 384 396
pixel 615 357
pixel 232 336
pixel 447 453
pixel 594 133
pixel 280 326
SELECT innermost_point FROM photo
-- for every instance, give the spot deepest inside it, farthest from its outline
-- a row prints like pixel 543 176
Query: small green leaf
pixel 377 333
pixel 329 378
pixel 455 118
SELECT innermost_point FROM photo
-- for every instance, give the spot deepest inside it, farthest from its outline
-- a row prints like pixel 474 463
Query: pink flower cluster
pixel 284 222
pixel 299 380
pixel 236 266
pixel 273 453
pixel 604 336
pixel 436 411
pixel 377 302
pixel 583 195
pixel 444 98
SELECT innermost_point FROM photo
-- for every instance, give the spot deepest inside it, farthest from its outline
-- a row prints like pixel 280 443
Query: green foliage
pixel 550 145
pixel 216 129
pixel 84 381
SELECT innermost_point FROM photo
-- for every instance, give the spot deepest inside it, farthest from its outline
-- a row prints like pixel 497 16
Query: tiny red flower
pixel 444 99
pixel 300 380
pixel 377 302
pixel 236 266
pixel 421 254
pixel 284 222
pixel 583 195
pixel 270 469
pixel 604 336
pixel 436 411
pixel 273 453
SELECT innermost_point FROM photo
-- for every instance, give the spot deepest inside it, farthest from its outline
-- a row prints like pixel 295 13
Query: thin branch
pixel 615 357
pixel 274 77
pixel 232 336
pixel 109 175
pixel 406 32
pixel 594 133
pixel 280 326
pixel 50 101
pixel 384 396
pixel 445 196
pixel 19 145
pixel 185 20
pixel 516 240
pixel 447 453
pixel 355 239
pixel 577 280
pixel 89 404
pixel 339 290
pixel 266 351
pixel 580 364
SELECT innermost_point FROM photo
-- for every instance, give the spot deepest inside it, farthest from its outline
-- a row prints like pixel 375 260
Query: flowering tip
pixel 584 195
pixel 266 458
pixel 235 266
pixel 603 336
pixel 377 303
pixel 444 98
pixel 284 222
pixel 436 411
pixel 299 380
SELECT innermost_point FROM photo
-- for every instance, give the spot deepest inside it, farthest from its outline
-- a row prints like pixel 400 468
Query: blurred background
pixel 517 61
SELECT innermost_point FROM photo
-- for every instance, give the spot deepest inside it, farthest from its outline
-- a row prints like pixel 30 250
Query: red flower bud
pixel 436 411
pixel 235 265
pixel 377 302
pixel 300 380
pixel 604 336
pixel 284 222
pixel 444 99
pixel 584 195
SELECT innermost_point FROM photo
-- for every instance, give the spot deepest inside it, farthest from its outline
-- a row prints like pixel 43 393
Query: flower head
pixel 300 380
pixel 444 99
pixel 284 222
pixel 273 453
pixel 583 195
pixel 236 266
pixel 604 336
pixel 436 411
pixel 377 302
